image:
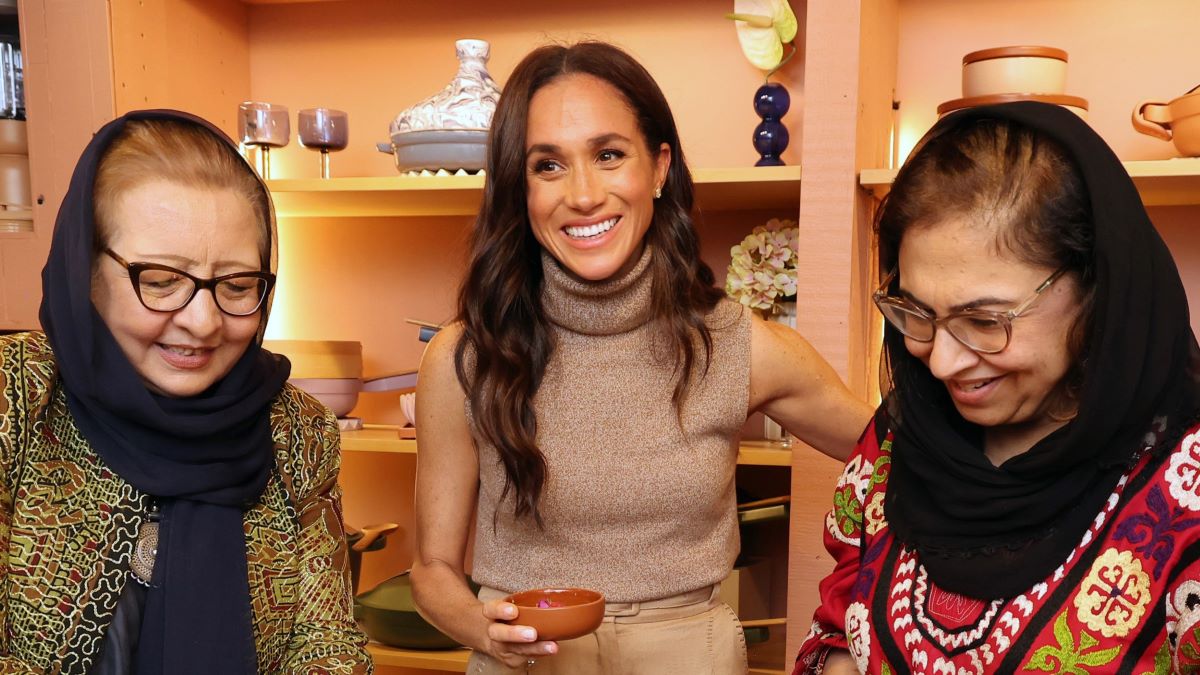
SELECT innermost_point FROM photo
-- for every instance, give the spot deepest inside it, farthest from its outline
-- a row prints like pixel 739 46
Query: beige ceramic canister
pixel 1178 121
pixel 1014 70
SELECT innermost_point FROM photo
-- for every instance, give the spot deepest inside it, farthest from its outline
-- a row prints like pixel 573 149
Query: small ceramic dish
pixel 434 149
pixel 558 613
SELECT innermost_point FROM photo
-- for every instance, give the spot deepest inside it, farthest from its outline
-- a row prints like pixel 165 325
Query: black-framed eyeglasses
pixel 980 330
pixel 165 289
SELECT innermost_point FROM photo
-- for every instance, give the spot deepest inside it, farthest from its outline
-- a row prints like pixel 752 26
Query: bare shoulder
pixel 437 363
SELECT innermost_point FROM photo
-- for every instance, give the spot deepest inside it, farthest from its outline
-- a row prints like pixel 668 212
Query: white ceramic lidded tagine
pixel 468 102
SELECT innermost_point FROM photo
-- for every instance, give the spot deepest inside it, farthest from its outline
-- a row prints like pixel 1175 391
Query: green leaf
pixel 1062 633
pixel 1099 658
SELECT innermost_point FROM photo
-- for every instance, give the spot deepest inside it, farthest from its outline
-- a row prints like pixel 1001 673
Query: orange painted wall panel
pixel 181 54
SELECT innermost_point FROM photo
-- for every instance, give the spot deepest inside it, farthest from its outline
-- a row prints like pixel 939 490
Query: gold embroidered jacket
pixel 68 526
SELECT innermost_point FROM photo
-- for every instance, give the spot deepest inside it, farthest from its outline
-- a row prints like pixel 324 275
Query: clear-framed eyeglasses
pixel 980 330
pixel 165 289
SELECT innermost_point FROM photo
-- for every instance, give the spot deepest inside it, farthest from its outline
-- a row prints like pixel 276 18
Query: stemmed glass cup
pixel 323 129
pixel 265 126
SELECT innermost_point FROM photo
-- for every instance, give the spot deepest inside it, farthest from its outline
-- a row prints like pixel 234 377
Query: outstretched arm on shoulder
pixel 792 384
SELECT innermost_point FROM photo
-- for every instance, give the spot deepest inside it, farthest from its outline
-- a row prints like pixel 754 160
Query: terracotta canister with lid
pixel 1178 121
pixel 1014 70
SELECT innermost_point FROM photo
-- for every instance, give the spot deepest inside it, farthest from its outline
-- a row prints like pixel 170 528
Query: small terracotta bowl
pixel 573 612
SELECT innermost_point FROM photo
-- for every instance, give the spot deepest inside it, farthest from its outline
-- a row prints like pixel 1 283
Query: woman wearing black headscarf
pixel 1028 495
pixel 167 503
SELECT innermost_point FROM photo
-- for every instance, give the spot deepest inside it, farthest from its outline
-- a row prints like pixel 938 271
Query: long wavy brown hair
pixel 507 341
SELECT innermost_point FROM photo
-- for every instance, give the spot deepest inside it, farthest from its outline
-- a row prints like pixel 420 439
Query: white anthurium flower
pixel 763 27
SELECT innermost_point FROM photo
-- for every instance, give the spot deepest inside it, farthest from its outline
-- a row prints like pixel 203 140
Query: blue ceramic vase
pixel 771 103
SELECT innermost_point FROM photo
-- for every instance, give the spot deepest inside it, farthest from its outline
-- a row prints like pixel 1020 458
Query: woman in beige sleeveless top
pixel 585 408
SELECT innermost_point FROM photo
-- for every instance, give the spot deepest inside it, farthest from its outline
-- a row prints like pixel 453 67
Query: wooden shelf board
pixel 1161 182
pixel 450 660
pixel 772 187
pixel 379 438
pixel 384 438
pixel 455 660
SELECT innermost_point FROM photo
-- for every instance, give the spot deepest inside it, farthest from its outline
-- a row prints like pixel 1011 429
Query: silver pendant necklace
pixel 146 549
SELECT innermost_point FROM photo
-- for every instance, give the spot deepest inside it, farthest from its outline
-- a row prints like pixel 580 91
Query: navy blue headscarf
pixel 207 458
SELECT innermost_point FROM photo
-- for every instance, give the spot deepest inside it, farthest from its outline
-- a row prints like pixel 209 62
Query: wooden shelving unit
pixel 743 188
pixel 1161 182
pixel 451 660
pixel 385 438
pixel 455 660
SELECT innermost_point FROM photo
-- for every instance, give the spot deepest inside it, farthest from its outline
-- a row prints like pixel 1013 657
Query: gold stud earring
pixel 657 192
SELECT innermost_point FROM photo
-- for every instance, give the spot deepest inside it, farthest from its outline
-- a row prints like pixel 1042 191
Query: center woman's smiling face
pixel 203 232
pixel 590 179
pixel 954 265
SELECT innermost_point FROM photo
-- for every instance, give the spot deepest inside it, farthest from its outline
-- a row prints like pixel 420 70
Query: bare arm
pixel 793 385
pixel 446 493
pixel 839 662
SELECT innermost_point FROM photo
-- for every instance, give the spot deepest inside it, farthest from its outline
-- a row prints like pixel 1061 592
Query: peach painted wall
pixel 181 54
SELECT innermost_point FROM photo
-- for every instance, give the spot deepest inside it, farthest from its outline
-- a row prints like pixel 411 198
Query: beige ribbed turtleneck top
pixel 634 507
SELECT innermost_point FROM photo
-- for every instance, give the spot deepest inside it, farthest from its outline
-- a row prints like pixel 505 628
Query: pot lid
pixel 1024 50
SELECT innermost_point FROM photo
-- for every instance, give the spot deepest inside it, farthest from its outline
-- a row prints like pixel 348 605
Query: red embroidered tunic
pixel 1126 600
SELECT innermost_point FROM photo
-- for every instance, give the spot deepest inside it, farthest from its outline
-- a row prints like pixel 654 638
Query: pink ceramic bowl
pixel 339 394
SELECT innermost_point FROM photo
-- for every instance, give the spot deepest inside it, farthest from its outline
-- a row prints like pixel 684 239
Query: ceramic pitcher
pixel 1178 121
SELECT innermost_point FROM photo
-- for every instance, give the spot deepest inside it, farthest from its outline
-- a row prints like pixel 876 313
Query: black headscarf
pixel 207 457
pixel 993 532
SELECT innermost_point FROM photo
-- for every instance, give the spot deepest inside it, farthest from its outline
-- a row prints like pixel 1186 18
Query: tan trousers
pixel 689 634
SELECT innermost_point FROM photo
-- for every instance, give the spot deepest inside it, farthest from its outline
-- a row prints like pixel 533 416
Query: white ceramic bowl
pixel 1014 70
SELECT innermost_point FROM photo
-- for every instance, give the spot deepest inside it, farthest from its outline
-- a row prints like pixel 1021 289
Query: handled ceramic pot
pixel 1177 121
pixel 369 538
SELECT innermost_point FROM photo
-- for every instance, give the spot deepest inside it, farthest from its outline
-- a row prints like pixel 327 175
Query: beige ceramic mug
pixel 1177 121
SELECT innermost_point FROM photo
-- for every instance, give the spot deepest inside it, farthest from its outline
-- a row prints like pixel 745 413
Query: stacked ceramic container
pixel 330 370
pixel 16 203
pixel 1022 73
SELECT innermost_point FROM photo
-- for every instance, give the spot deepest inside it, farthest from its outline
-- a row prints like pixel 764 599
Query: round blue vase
pixel 771 102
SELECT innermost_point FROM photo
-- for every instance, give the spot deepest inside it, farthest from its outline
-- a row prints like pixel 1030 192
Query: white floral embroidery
pixel 1183 475
pixel 857 477
pixel 858 631
pixel 1183 608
